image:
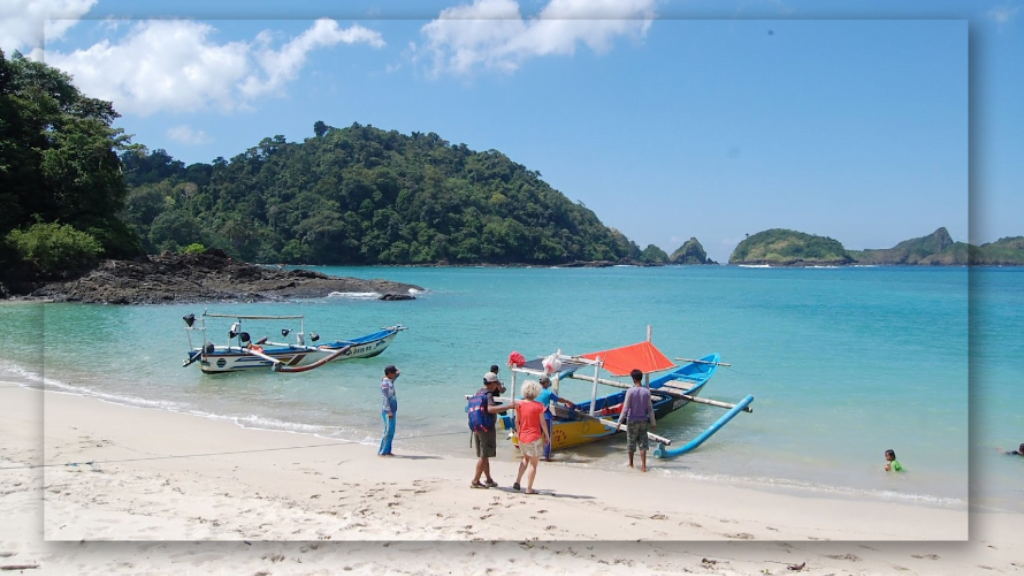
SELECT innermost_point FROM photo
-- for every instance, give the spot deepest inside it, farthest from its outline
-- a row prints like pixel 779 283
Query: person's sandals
pixel 476 484
pixel 516 486
pixel 492 484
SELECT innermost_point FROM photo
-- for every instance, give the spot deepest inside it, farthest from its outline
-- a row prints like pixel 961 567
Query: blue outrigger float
pixel 596 418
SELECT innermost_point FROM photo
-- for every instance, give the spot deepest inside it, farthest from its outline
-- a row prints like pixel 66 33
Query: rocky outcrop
pixel 691 252
pixel 935 249
pixel 206 277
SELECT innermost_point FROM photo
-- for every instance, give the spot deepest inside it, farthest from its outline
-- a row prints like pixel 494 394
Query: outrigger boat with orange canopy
pixel 596 418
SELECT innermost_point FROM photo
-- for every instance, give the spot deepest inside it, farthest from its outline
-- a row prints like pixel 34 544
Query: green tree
pixel 56 249
pixel 58 156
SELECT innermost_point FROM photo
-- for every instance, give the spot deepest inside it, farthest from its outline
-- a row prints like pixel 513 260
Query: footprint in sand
pixel 923 556
pixel 849 557
pixel 740 536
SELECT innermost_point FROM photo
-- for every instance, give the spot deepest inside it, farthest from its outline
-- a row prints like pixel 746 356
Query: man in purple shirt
pixel 638 412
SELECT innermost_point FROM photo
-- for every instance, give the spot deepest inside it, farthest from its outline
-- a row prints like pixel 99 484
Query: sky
pixel 868 122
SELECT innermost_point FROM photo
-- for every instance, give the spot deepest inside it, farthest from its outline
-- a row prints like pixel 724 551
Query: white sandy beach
pixel 195 495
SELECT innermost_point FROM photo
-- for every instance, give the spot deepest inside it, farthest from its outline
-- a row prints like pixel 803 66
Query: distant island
pixel 781 247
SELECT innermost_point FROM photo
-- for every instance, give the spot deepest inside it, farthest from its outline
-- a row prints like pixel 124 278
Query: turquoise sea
pixel 843 364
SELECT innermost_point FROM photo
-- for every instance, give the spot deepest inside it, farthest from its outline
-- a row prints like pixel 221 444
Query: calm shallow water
pixel 843 363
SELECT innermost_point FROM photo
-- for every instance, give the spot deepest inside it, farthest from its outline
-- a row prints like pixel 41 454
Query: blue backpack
pixel 479 419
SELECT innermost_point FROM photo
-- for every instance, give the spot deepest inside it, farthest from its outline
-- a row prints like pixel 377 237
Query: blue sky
pixel 863 121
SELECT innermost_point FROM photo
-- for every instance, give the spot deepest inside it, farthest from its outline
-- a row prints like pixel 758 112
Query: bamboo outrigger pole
pixel 666 392
pixel 615 425
pixel 696 361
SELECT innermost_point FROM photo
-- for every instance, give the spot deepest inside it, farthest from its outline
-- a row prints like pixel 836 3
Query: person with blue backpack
pixel 482 410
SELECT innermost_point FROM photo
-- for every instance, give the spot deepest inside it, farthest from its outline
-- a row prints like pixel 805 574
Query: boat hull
pixel 571 429
pixel 234 359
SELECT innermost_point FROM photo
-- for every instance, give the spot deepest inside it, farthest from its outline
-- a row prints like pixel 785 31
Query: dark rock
pixel 206 277
pixel 397 297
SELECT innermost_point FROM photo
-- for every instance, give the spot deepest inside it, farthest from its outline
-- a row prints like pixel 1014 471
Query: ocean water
pixel 843 364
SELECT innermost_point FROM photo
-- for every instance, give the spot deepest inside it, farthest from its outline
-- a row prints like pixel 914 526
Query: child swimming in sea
pixel 891 463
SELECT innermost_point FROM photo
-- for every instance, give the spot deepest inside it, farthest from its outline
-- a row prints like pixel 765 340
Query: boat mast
pixel 647 377
pixel 593 392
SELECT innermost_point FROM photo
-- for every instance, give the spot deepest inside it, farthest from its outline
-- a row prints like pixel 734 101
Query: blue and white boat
pixel 242 353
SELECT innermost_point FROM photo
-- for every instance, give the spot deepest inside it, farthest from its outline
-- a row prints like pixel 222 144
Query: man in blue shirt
pixel 389 409
pixel 546 397
pixel 638 412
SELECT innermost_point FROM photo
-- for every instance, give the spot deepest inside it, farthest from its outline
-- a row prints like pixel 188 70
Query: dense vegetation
pixel 782 247
pixel 60 177
pixel 361 195
pixel 1003 252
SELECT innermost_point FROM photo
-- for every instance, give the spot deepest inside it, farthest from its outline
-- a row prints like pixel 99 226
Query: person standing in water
pixel 638 412
pixel 891 463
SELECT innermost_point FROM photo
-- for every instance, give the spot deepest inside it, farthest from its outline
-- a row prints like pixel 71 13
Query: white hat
pixel 490 377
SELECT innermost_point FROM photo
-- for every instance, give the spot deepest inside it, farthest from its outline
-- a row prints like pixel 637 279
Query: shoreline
pixel 182 444
pixel 157 476
pixel 778 486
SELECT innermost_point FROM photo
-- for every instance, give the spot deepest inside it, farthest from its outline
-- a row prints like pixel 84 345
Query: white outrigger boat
pixel 242 353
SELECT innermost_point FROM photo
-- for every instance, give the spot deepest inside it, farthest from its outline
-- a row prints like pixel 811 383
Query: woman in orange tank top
pixel 533 433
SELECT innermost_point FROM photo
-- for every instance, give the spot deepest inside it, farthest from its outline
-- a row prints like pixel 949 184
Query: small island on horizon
pixel 781 247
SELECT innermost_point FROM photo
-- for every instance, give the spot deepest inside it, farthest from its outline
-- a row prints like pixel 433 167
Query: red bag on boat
pixel 516 359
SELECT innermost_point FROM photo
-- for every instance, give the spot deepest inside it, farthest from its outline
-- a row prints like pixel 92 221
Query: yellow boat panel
pixel 569 434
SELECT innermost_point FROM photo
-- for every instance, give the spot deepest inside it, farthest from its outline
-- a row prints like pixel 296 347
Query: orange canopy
pixel 621 361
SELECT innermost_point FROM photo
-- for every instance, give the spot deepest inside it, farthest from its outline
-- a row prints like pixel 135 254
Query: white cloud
pixel 24 22
pixel 492 33
pixel 283 65
pixel 1003 14
pixel 186 135
pixel 178 66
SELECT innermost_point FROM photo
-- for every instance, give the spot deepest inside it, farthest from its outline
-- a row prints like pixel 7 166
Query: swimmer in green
pixel 891 463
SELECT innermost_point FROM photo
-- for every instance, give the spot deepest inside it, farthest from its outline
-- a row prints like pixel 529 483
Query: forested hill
pixel 361 195
pixel 781 247
pixel 935 249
